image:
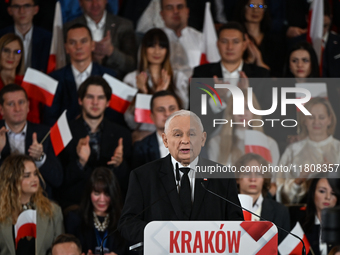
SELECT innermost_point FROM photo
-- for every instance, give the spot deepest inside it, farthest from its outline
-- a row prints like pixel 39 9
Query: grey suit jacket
pixel 47 230
pixel 123 58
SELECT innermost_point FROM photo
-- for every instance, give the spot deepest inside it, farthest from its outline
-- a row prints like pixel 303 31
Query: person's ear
pixel 165 140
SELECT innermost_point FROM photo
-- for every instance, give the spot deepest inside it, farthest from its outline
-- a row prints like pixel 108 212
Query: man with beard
pixel 96 142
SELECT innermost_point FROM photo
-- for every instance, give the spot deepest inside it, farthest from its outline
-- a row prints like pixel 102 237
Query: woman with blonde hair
pixel 317 146
pixel 21 191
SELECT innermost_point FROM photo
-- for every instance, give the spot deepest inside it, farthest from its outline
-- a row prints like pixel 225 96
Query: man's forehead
pixel 77 33
pixel 14 95
pixel 173 2
pixel 95 89
pixel 231 33
pixel 184 123
pixel 22 2
pixel 164 101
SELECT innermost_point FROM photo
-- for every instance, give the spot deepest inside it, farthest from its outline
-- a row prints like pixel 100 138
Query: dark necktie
pixel 185 192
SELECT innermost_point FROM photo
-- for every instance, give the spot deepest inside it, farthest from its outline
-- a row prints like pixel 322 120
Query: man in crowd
pixel 36 40
pixel 66 244
pixel 162 105
pixel 96 142
pixel 79 45
pixel 152 187
pixel 115 43
pixel 17 135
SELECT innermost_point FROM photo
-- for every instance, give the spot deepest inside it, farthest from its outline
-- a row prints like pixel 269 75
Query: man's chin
pixel 93 117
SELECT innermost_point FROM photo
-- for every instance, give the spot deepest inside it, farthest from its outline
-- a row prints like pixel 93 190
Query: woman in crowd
pixel 12 68
pixel 155 74
pixel 98 215
pixel 316 146
pixel 321 195
pixel 255 17
pixel 21 193
pixel 257 186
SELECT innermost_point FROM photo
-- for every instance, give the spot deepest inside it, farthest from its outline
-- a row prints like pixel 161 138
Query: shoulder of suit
pixel 42 32
pixel 60 73
pixel 120 20
pixel 152 166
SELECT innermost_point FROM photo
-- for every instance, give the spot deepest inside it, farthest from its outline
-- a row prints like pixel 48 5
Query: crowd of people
pixel 113 158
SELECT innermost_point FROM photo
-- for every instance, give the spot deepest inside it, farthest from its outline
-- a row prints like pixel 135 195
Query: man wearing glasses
pixel 36 40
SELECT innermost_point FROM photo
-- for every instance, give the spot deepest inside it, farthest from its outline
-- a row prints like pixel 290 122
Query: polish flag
pixel 257 142
pixel 292 245
pixel 142 109
pixel 246 201
pixel 315 27
pixel 39 86
pixel 209 52
pixel 60 134
pixel 57 58
pixel 122 94
pixel 26 225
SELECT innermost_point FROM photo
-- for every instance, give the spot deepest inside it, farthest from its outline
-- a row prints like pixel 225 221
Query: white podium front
pixel 210 237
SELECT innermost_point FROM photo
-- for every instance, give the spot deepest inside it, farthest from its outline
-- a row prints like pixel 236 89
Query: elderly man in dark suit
pixel 115 42
pixel 17 135
pixel 152 187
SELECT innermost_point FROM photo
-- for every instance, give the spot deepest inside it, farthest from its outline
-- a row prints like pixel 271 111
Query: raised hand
pixel 117 157
pixel 84 150
pixel 36 149
pixel 141 80
pixel 3 138
pixel 164 82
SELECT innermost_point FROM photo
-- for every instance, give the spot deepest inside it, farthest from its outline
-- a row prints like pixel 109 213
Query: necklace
pixel 98 225
pixel 27 206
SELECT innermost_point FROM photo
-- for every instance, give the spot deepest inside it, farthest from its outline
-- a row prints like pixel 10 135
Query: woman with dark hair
pixel 98 215
pixel 321 195
pixel 21 193
pixel 264 49
pixel 302 62
pixel 155 74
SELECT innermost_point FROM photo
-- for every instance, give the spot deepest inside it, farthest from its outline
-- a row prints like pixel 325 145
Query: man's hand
pixel 104 47
pixel 295 31
pixel 141 80
pixel 3 138
pixel 84 150
pixel 36 149
pixel 117 157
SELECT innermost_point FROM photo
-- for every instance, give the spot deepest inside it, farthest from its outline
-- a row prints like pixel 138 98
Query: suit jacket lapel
pixel 28 137
pixel 42 224
pixel 267 210
pixel 168 180
pixel 7 233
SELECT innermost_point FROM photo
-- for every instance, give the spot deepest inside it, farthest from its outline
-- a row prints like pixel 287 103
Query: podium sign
pixel 210 237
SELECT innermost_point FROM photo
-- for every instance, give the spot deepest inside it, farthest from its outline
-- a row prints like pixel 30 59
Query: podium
pixel 210 237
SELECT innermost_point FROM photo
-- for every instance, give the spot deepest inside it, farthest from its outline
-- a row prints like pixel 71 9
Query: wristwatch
pixel 41 157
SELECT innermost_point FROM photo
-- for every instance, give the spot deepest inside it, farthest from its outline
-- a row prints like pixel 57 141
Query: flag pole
pixel 45 136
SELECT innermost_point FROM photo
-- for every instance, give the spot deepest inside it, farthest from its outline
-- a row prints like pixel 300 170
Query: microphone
pixel 227 200
pixel 113 232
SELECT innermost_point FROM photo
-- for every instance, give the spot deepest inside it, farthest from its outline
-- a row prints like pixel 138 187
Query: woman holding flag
pixel 29 222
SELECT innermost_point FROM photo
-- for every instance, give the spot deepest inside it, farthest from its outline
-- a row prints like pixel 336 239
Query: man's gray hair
pixel 182 113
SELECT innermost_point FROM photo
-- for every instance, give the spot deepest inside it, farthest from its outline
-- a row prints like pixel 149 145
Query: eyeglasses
pixel 8 51
pixel 24 6
pixel 255 6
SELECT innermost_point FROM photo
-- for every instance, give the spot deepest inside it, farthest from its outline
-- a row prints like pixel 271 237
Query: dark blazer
pixel 75 177
pixel 41 43
pixel 145 151
pixel 152 188
pixel 278 214
pixel 123 58
pixel 331 56
pixel 51 170
pixel 66 96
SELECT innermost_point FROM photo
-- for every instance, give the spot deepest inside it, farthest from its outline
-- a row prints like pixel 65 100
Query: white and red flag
pixel 122 94
pixel 209 52
pixel 292 245
pixel 246 201
pixel 57 57
pixel 60 134
pixel 315 27
pixel 39 86
pixel 257 142
pixel 142 109
pixel 26 225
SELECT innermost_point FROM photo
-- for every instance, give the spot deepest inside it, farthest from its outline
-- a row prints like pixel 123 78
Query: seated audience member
pixel 163 104
pixel 255 16
pixel 98 214
pixel 17 135
pixel 21 191
pixel 317 146
pixel 36 41
pixel 66 244
pixel 155 74
pixel 79 45
pixel 113 36
pixel 320 195
pixel 11 69
pixel 96 142
pixel 186 43
pixel 184 137
pixel 255 185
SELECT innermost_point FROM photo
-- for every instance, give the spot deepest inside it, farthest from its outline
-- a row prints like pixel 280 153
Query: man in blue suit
pixel 79 46
pixel 162 105
pixel 37 41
